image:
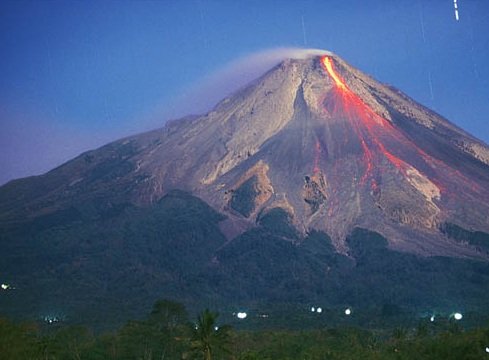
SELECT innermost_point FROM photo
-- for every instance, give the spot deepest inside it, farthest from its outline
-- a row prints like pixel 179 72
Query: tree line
pixel 168 333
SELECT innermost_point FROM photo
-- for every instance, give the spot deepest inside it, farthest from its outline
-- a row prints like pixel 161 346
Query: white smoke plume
pixel 29 153
pixel 207 92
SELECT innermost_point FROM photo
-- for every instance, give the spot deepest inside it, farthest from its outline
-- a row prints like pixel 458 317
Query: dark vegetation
pixel 110 263
pixel 476 238
pixel 168 333
pixel 243 198
pixel 100 264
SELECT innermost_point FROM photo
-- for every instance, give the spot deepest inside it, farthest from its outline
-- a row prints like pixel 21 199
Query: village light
pixel 242 315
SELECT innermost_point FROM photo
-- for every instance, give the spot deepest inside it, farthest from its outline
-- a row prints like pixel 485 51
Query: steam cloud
pixel 25 152
pixel 203 96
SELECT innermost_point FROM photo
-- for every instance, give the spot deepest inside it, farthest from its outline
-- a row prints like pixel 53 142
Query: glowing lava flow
pixel 367 125
pixel 374 133
pixel 326 61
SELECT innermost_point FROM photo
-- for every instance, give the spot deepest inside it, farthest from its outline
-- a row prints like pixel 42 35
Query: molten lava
pixel 326 61
pixel 378 138
pixel 364 122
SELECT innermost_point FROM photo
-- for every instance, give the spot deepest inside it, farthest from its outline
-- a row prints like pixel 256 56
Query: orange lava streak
pixel 326 61
pixel 372 129
pixel 357 110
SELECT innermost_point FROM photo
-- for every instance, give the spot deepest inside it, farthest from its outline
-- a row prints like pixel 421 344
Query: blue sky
pixel 77 74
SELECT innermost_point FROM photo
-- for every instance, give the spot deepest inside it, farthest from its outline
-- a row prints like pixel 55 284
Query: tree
pixel 161 336
pixel 170 319
pixel 17 341
pixel 209 339
pixel 73 341
pixel 168 315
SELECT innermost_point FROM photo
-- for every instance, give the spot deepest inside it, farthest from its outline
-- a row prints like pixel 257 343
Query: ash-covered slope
pixel 331 146
pixel 314 182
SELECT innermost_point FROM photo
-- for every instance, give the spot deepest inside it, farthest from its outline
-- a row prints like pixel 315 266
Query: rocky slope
pixel 314 183
pixel 315 137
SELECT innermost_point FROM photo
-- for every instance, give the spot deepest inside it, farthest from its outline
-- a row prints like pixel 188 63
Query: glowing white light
pixel 51 319
pixel 216 328
pixel 487 349
pixel 313 309
pixel 242 315
pixel 432 318
pixel 5 286
pixel 457 316
pixel 319 310
pixel 347 311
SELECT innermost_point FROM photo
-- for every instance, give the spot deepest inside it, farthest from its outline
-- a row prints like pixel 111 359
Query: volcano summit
pixel 280 193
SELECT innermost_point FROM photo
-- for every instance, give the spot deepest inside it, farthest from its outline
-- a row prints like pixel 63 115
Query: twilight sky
pixel 77 74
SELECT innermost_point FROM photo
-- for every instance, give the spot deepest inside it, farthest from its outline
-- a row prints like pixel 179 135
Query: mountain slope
pixel 313 183
pixel 110 268
pixel 315 137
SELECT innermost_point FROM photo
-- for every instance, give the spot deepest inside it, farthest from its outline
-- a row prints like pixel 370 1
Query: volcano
pixel 285 188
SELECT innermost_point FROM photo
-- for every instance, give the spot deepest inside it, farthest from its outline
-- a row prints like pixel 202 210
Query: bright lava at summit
pixel 326 61
pixel 380 139
pixel 363 120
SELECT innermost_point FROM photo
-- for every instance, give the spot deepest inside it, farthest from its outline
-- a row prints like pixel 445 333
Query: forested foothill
pixel 169 332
